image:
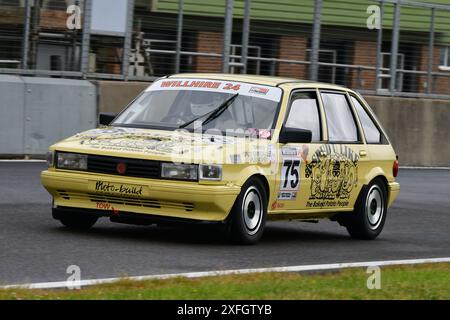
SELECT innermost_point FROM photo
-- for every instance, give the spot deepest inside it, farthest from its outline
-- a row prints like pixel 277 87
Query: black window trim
pixel 360 136
pixel 293 91
pixel 383 140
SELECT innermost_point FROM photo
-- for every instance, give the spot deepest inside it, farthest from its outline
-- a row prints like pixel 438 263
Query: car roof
pixel 286 83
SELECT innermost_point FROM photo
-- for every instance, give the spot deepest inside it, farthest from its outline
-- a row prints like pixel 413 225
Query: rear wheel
pixel 367 221
pixel 248 216
pixel 75 220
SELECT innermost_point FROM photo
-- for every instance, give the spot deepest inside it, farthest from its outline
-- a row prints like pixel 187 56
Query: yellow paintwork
pixel 213 200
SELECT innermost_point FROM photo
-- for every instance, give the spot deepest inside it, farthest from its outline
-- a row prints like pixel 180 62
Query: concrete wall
pixel 113 96
pixel 37 112
pixel 418 128
pixel 12 110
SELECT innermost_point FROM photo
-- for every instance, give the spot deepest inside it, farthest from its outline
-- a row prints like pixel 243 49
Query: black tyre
pixel 75 220
pixel 249 213
pixel 369 216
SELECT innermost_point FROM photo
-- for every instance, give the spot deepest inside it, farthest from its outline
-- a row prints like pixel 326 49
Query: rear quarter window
pixel 371 131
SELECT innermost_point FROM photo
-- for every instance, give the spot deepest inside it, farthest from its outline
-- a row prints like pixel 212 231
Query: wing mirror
pixel 295 135
pixel 105 118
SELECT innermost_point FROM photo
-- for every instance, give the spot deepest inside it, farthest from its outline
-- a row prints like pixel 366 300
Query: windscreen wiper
pixel 212 114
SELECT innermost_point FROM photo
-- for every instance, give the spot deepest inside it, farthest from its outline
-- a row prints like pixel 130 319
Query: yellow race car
pixel 231 149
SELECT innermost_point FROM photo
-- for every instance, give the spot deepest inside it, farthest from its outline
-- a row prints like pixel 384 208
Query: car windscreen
pixel 170 104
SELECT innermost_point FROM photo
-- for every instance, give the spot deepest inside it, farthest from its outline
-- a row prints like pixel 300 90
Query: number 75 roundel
pixel 290 177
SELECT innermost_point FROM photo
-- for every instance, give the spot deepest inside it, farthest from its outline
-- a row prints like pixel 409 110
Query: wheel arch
pixel 386 184
pixel 264 181
pixel 381 177
pixel 255 172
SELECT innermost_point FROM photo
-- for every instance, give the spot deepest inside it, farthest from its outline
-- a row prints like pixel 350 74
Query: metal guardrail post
pixel 86 38
pixel 127 40
pixel 26 35
pixel 228 29
pixel 431 51
pixel 394 46
pixel 179 35
pixel 379 48
pixel 273 65
pixel 359 82
pixel 34 32
pixel 245 35
pixel 315 46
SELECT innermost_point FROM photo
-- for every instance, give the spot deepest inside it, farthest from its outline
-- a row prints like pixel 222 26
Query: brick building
pixel 279 43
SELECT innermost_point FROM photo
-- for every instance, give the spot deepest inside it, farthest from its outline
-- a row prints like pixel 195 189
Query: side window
pixel 340 121
pixel 304 113
pixel 373 135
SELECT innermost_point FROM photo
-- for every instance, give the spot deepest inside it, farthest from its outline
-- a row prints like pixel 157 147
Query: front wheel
pixel 369 216
pixel 248 216
pixel 75 220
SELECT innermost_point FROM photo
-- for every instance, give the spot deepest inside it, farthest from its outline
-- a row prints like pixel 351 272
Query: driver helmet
pixel 204 102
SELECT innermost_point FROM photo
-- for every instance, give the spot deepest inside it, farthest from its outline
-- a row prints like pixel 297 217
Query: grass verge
pixel 430 281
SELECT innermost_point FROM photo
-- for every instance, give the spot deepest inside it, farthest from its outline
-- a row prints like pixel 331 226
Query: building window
pixel 445 57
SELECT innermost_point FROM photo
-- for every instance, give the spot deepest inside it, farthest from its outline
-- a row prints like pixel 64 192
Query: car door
pixel 293 181
pixel 335 171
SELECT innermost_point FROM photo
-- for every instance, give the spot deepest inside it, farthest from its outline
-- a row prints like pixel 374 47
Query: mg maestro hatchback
pixel 233 150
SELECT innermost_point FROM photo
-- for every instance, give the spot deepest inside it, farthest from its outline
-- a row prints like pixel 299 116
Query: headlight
pixel 72 161
pixel 210 172
pixel 50 159
pixel 179 171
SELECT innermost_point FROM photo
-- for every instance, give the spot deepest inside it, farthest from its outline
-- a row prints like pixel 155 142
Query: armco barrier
pixel 36 112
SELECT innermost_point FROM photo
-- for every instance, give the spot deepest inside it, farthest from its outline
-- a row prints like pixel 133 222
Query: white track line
pixel 316 267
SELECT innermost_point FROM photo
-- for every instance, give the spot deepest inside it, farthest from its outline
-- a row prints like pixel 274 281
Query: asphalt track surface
pixel 36 248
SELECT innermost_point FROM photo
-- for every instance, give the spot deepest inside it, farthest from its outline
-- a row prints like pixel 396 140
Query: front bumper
pixel 175 199
pixel 394 189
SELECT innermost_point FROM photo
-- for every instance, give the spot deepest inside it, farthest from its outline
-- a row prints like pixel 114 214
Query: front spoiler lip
pixel 212 202
pixel 127 217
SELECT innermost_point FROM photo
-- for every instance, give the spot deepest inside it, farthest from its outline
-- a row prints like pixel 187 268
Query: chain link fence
pixel 346 42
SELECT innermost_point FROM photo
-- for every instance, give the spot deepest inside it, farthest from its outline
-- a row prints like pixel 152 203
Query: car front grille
pixel 134 167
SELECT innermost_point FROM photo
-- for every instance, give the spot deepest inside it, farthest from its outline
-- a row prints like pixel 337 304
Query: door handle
pixel 363 153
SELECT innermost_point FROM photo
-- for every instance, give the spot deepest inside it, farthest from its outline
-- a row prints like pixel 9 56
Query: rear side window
pixel 373 135
pixel 340 121
pixel 304 113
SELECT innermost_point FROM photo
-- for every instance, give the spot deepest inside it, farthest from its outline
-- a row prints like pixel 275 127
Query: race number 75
pixel 290 174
